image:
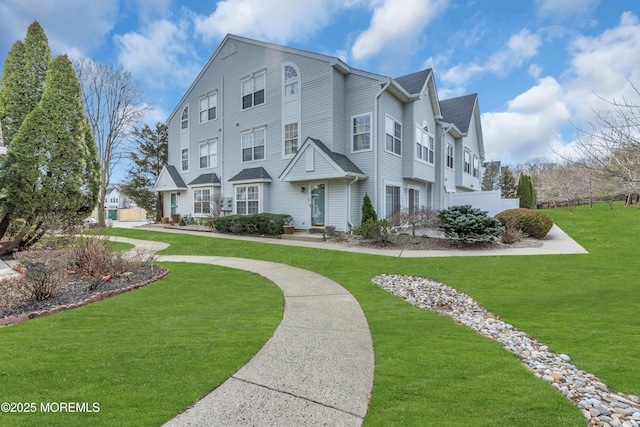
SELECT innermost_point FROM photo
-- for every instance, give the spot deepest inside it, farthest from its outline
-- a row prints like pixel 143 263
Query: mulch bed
pixel 74 292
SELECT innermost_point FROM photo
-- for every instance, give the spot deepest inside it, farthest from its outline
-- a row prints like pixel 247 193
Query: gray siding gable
pixel 176 180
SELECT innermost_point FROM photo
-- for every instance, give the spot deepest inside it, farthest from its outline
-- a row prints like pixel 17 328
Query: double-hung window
pixel 361 132
pixel 290 139
pixel 208 106
pixel 253 90
pixel 247 199
pixel 392 200
pixel 253 145
pixel 393 131
pixel 184 120
pixel 467 161
pixel 476 167
pixel 414 200
pixel 449 156
pixel 184 157
pixel 424 146
pixel 202 201
pixel 209 154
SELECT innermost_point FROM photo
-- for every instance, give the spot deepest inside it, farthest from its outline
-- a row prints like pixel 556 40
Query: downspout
pixel 349 202
pixel 222 139
pixel 375 139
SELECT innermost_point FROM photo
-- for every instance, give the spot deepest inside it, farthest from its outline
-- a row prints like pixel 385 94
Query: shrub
pixel 262 223
pixel 466 224
pixel 532 223
pixel 376 231
pixel 512 232
pixel 368 213
pixel 46 272
pixel 526 192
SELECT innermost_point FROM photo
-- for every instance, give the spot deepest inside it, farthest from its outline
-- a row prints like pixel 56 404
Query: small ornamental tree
pixel 466 224
pixel 368 213
pixel 491 177
pixel 507 184
pixel 526 192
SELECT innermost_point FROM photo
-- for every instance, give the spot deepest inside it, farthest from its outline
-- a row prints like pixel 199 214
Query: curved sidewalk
pixel 317 368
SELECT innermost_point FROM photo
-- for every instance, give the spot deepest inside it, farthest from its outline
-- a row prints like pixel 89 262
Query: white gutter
pixel 375 139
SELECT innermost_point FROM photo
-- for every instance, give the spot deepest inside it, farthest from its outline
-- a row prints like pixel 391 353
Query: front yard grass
pixel 432 371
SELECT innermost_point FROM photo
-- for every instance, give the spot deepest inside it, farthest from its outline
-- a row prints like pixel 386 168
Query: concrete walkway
pixel 316 369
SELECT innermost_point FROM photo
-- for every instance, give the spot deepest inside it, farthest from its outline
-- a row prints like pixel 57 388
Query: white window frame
pixel 291 82
pixel 354 134
pixel 202 203
pixel 387 185
pixel 211 155
pixel 413 200
pixel 425 146
pixel 395 133
pixel 184 118
pixel 241 199
pixel 476 167
pixel 184 159
pixel 450 156
pixel 252 91
pixel 254 137
pixel 211 100
pixel 467 161
pixel 294 140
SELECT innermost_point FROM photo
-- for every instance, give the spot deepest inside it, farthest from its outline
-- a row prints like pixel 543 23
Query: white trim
pixel 252 77
pixel 352 135
pixel 207 96
pixel 213 141
pixel 252 131
pixel 394 136
pixel 248 184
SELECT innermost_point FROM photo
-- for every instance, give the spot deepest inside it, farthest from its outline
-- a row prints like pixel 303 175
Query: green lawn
pixel 432 371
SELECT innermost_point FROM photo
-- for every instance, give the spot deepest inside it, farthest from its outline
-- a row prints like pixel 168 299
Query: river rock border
pixel 98 296
pixel 600 406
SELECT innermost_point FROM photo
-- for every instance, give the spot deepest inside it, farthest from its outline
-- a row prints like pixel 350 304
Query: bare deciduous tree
pixel 113 103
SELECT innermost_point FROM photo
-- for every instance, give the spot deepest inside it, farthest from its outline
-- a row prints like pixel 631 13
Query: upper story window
pixel 209 154
pixel 253 145
pixel 393 130
pixel 361 132
pixel 290 80
pixel 184 156
pixel 253 90
pixel 467 161
pixel 208 108
pixel 184 123
pixel 290 139
pixel 449 156
pixel 476 167
pixel 424 146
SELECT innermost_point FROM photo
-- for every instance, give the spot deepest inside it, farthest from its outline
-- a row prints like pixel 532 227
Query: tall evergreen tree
pixel 491 177
pixel 526 192
pixel 507 184
pixel 23 76
pixel 368 212
pixel 51 173
pixel 22 79
pixel 150 155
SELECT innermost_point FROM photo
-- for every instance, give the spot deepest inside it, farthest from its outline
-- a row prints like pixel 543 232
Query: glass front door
pixel 317 205
pixel 174 203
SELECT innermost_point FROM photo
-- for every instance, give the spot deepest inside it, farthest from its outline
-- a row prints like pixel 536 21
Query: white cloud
pixel 69 24
pixel 160 54
pixel 520 48
pixel 278 21
pixel 395 23
pixel 561 10
pixel 530 126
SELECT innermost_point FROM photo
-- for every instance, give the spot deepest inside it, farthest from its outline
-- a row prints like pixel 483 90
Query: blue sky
pixel 538 66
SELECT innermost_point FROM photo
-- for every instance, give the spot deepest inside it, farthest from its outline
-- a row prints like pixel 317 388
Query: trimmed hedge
pixel 533 224
pixel 262 223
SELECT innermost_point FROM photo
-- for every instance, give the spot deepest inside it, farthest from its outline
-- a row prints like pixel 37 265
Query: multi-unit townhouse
pixel 269 128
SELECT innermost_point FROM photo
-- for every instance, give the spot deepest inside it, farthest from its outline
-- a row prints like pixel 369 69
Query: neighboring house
pixel 268 128
pixel 115 199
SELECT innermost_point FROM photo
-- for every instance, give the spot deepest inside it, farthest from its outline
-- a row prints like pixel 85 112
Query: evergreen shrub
pixel 374 230
pixel 533 224
pixel 467 224
pixel 368 213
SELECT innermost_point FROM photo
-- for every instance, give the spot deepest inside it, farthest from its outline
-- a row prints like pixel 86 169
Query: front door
pixel 317 205
pixel 174 203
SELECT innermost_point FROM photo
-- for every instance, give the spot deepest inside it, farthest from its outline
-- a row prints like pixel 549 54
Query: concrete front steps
pixel 311 235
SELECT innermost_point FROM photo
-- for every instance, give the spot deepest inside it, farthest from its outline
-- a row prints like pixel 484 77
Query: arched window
pixel 185 117
pixel 290 80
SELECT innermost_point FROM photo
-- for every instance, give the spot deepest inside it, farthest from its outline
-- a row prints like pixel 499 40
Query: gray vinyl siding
pixel 335 213
pixel 390 164
pixel 423 111
pixel 341 142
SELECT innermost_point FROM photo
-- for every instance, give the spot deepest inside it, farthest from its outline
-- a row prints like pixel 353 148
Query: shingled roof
pixel 413 83
pixel 340 159
pixel 459 111
pixel 251 174
pixel 206 178
pixel 175 176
